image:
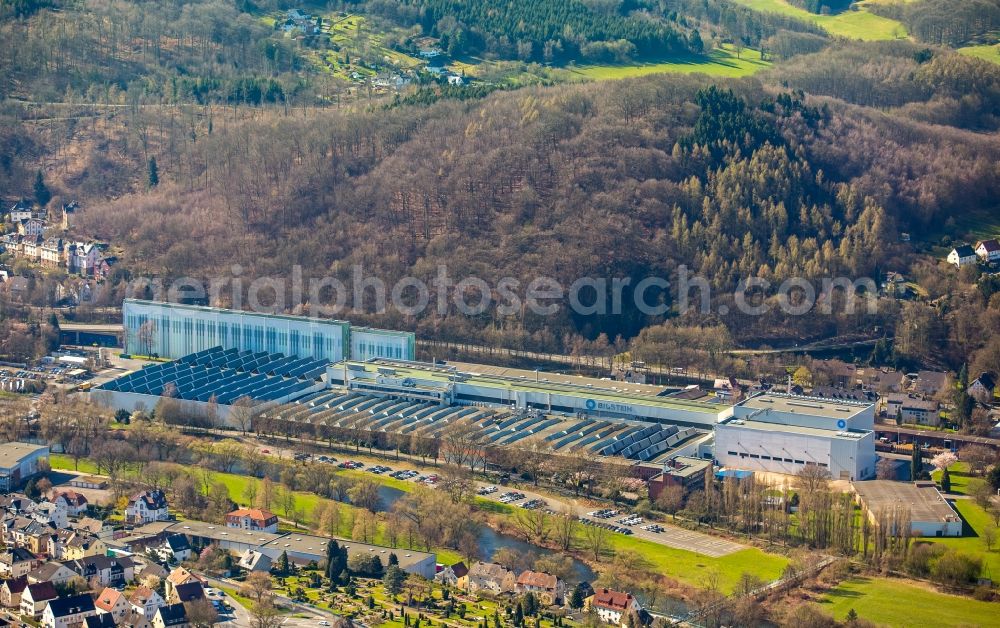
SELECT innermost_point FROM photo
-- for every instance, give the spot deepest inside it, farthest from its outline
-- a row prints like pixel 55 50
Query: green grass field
pixel 989 52
pixel 694 569
pixel 976 518
pixel 851 24
pixel 960 478
pixel 978 223
pixel 898 603
pixel 719 63
pixel 62 461
pixel 979 520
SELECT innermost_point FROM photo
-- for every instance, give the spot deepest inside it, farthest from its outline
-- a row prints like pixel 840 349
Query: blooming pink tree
pixel 944 460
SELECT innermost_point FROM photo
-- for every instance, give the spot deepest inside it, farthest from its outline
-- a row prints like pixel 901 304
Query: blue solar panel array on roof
pixel 225 375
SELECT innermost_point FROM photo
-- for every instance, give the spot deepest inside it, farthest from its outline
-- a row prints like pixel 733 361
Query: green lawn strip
pixel 926 428
pixel 988 52
pixel 960 478
pixel 245 602
pixel 64 462
pixel 979 223
pixel 898 603
pixel 858 24
pixel 693 568
pixel 719 62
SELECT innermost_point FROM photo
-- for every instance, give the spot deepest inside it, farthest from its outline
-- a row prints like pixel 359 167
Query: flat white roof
pixel 800 404
pixel 763 426
pixel 11 454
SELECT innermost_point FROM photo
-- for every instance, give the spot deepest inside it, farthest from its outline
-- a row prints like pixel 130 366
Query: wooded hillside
pixel 813 169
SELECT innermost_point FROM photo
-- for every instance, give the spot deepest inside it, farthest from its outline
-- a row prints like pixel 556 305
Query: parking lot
pixel 429 479
pixel 620 522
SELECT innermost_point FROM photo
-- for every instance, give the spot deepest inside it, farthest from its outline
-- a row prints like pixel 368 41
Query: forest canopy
pixel 544 30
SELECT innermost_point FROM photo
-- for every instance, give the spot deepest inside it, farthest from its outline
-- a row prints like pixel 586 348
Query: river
pixel 490 540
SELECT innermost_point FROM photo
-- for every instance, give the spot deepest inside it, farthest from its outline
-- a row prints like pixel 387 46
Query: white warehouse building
pixel 784 433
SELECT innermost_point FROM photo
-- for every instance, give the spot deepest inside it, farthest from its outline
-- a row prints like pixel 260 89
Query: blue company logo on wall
pixel 609 406
pixel 841 423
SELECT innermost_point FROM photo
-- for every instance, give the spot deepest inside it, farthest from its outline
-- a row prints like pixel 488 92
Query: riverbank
pixel 686 570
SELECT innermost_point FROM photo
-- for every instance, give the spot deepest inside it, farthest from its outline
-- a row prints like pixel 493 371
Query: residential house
pixel 895 285
pixel 184 593
pixel 146 602
pixel 113 602
pixel 18 288
pixel 80 546
pixel 70 611
pixel 913 409
pixel 728 390
pixel 17 503
pixel 988 250
pixel 882 380
pixel 107 570
pixel 146 507
pixel 256 519
pixel 82 258
pixel 173 615
pixel 31 228
pixel 37 534
pixel 929 383
pixel 135 620
pixel 962 255
pixel 57 543
pixel 11 590
pixel 17 562
pixel 102 620
pixel 455 79
pixel 50 253
pixel 181 576
pixel 837 373
pixel 450 574
pixel 150 569
pixel 982 388
pixel 176 547
pixel 19 211
pixel 489 577
pixel 252 560
pixel 75 503
pixel 612 607
pixel 96 527
pixel 846 394
pixel 53 514
pixel 29 247
pixel 36 597
pixel 11 243
pixel 104 265
pixel 56 573
pixel 17 532
pixel 546 587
